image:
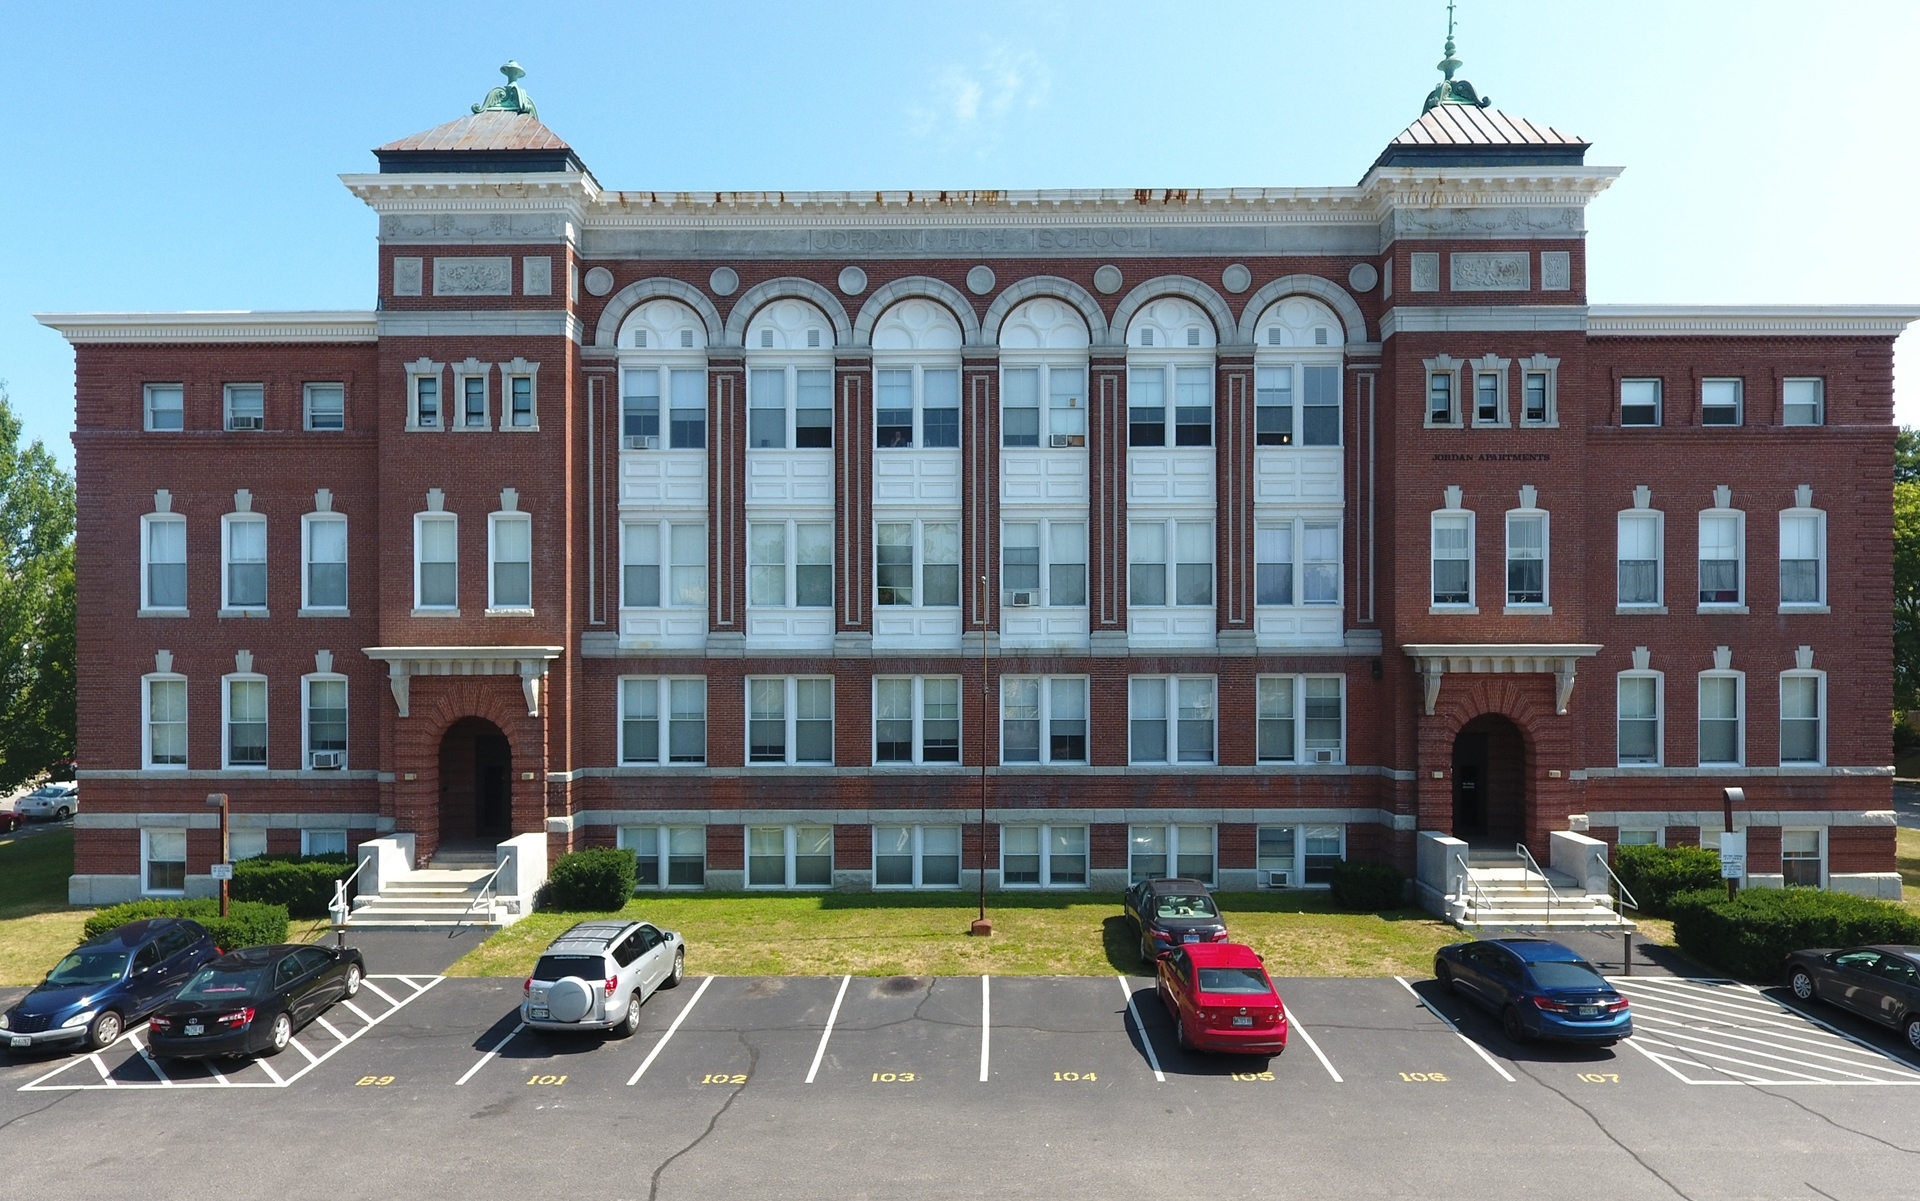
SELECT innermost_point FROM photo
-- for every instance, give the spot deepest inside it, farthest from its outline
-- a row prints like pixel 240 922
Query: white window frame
pixel 917 366
pixel 427 369
pixel 1540 365
pixel 1045 363
pixel 792 363
pixel 663 717
pixel 147 522
pixel 1046 882
pixel 1739 405
pixel 472 369
pixel 917 704
pixel 1821 715
pixel 1819 519
pixel 511 371
pixel 1659 402
pixel 1739 680
pixel 1296 525
pixel 663 855
pixel 495 521
pixel 1659 838
pixel 226 408
pixel 1739 518
pixel 1295 687
pixel 790 717
pixel 1545 603
pixel 1449 367
pixel 1295 865
pixel 1172 718
pixel 1819 401
pixel 1499 370
pixel 1171 563
pixel 919 548
pixel 666 565
pixel 310 837
pixel 227 603
pixel 420 522
pixel 791 566
pixel 1045 690
pixel 147 410
pixel 1296 361
pixel 1659 717
pixel 1435 605
pixel 146 720
pixel 1170 839
pixel 1659 521
pixel 1168 363
pixel 664 363
pixel 1820 840
pixel 791 835
pixel 306 717
pixel 307 523
pixel 306 406
pixel 226 720
pixel 1043 595
pixel 146 859
pixel 917 843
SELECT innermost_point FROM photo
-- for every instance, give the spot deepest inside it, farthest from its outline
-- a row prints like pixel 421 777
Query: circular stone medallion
pixel 723 281
pixel 1108 279
pixel 980 280
pixel 599 281
pixel 1362 277
pixel 853 281
pixel 1236 278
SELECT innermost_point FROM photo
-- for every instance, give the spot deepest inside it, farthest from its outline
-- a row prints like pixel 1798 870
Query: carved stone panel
pixel 406 277
pixel 1426 273
pixel 1556 271
pixel 1489 271
pixel 473 276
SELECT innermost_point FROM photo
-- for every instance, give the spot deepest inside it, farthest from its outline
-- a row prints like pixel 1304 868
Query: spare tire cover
pixel 570 999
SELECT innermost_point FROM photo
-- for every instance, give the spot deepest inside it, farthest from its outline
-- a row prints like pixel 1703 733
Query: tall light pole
pixel 218 800
pixel 981 926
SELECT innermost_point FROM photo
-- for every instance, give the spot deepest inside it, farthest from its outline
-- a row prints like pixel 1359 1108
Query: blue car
pixel 108 984
pixel 1538 989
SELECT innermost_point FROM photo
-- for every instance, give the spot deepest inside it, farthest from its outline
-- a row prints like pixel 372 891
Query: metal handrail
pixel 1626 895
pixel 339 906
pixel 486 894
pixel 1553 894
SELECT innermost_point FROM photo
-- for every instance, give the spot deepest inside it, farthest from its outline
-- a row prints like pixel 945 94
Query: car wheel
pixel 1515 1028
pixel 679 972
pixel 1146 950
pixel 629 1024
pixel 1913 1033
pixel 1180 1034
pixel 1443 972
pixel 62 814
pixel 353 980
pixel 280 1035
pixel 1802 984
pixel 105 1031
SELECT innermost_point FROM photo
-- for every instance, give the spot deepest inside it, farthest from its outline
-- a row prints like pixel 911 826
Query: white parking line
pixel 101 1066
pixel 301 1047
pixel 828 1032
pixel 268 1069
pixel 983 1029
pixel 497 1047
pixel 662 1044
pixel 373 988
pixel 360 1011
pixel 1477 1048
pixel 1294 1024
pixel 1153 1060
pixel 324 1024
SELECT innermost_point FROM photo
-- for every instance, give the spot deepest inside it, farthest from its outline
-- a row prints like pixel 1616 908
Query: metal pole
pixel 1728 796
pixel 981 926
pixel 226 851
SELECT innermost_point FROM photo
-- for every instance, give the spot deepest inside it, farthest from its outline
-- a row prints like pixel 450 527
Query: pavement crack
pixel 1601 1126
pixel 1892 1146
pixel 36 1112
pixel 753 1062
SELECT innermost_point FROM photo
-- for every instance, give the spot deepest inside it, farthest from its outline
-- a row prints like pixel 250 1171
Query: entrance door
pixel 476 786
pixel 1470 786
pixel 493 805
pixel 1490 782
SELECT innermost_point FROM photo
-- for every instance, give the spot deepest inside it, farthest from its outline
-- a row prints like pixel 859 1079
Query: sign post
pixel 223 870
pixel 1733 847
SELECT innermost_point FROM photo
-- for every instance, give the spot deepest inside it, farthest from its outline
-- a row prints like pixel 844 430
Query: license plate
pixel 538 1014
pixel 1243 1020
pixel 21 1040
pixel 1589 1011
pixel 1189 938
pixel 194 1028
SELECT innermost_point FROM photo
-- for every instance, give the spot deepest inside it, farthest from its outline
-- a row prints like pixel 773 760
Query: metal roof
pixel 1470 125
pixel 491 130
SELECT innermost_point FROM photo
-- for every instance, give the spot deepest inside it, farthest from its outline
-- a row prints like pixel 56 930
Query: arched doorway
pixel 1490 782
pixel 476 790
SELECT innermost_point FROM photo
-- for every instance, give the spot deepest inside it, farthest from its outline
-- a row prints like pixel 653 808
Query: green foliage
pixel 594 880
pixel 1368 887
pixel 1751 935
pixel 1906 593
pixel 1906 456
pixel 247 924
pixel 1654 875
pixel 302 883
pixel 36 607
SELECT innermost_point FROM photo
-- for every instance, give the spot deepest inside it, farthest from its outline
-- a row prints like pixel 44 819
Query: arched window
pixel 789 351
pixel 1043 368
pixel 916 377
pixel 1297 374
pixel 663 378
pixel 1170 375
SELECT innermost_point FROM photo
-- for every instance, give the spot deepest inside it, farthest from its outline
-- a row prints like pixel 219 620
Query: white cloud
pixel 972 102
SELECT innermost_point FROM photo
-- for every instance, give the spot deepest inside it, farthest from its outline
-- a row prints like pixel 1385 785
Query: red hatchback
pixel 1221 999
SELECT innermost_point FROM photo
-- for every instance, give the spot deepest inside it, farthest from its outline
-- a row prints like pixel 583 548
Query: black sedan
pixel 1881 984
pixel 250 1001
pixel 1167 913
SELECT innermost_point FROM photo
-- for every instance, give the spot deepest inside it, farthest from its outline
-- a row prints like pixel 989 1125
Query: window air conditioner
pixel 641 442
pixel 1275 879
pixel 245 423
pixel 1057 441
pixel 1323 756
pixel 1020 600
pixel 327 760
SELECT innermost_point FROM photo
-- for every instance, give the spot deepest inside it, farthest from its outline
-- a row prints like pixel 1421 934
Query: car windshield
pixel 1184 905
pixel 559 967
pixel 89 967
pixel 222 984
pixel 1234 980
pixel 43 792
pixel 1566 975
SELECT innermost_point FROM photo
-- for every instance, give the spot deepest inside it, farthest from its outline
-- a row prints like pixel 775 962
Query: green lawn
pixel 1907 852
pixel 36 927
pixel 892 934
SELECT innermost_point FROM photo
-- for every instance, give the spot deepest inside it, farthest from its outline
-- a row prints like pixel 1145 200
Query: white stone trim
pixel 530 663
pixel 1479 318
pixel 1750 320
pixel 484 323
pixel 1433 660
pixel 244 326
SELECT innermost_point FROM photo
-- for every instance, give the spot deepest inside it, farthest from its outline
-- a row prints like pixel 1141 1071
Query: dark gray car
pixel 1881 984
pixel 1166 913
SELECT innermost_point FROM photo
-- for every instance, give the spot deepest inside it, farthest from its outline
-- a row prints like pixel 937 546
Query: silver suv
pixel 598 974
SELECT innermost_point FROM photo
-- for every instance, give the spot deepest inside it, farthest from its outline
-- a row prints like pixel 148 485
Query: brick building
pixel 1284 524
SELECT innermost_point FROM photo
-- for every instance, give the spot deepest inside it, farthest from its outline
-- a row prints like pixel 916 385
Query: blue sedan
pixel 107 984
pixel 1538 989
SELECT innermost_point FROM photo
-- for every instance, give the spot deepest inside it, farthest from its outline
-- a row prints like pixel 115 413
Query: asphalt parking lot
pixel 836 1086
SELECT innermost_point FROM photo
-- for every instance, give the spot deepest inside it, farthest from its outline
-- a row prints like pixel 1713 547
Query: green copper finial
pixel 1451 90
pixel 510 97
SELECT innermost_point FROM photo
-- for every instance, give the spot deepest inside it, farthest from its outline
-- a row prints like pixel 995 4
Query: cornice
pixel 239 326
pixel 459 192
pixel 1756 320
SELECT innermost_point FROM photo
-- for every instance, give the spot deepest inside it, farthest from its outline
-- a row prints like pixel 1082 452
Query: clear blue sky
pixel 186 159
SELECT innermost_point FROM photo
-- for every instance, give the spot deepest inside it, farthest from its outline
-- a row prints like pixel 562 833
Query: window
pixel 1537 379
pixel 1721 546
pixel 164 545
pixel 326 406
pixel 1453 558
pixel 1043 720
pixel 1490 392
pixel 1311 577
pixel 916 719
pixel 1651 837
pixel 163 855
pixel 1722 732
pixel 789 720
pixel 246 562
pixel 1044 563
pixel 790 564
pixel 325 580
pixel 1157 852
pixel 1043 856
pixel 1638 558
pixel 1273 406
pixel 1171 713
pixel 1324 847
pixel 685 390
pixel 932 575
pixel 1640 738
pixel 1803 696
pixel 916 406
pixel 663 720
pixel 246 407
pixel 1804 402
pixel 775 424
pixel 916 856
pixel 521 413
pixel 326 724
pixel 1276 855
pixel 510 548
pixel 436 560
pixel 166 721
pixel 475 406
pixel 1800 859
pixel 1803 554
pixel 1295 712
pixel 246 720
pixel 652 579
pixel 789 856
pixel 1526 558
pixel 675 855
pixel 323 842
pixel 246 844
pixel 1296 856
pixel 1156 578
pixel 1639 402
pixel 1188 421
pixel 165 406
pixel 426 401
pixel 1443 405
pixel 1065 393
pixel 1720 401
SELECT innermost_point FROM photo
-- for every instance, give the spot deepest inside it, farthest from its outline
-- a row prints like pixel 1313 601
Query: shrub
pixel 598 880
pixel 303 883
pixel 1655 875
pixel 1751 935
pixel 247 924
pixel 1368 887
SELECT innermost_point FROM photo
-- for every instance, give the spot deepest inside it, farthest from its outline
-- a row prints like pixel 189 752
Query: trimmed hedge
pixel 1751 935
pixel 595 880
pixel 1368 887
pixel 303 883
pixel 247 924
pixel 1655 875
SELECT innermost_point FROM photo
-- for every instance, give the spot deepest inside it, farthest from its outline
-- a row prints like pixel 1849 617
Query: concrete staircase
pixel 1505 894
pixel 438 897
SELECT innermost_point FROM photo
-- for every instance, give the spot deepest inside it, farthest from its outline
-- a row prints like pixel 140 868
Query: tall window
pixel 1803 696
pixel 1443 404
pixel 1638 551
pixel 1060 390
pixel 246 406
pixel 916 856
pixel 682 392
pixel 789 856
pixel 789 407
pixel 165 406
pixel 246 716
pixel 1171 719
pixel 1453 558
pixel 917 563
pixel 1801 862
pixel 1722 741
pixel 164 860
pixel 1804 402
pixel 1640 402
pixel 663 720
pixel 1300 719
pixel 663 564
pixel 790 564
pixel 1721 401
pixel 436 561
pixel 1639 718
pixel 675 855
pixel 1044 562
pixel 1043 720
pixel 166 721
pixel 1157 577
pixel 326 725
pixel 246 562
pixel 1803 556
pixel 1526 558
pixel 326 560
pixel 1721 567
pixel 1186 421
pixel 1157 852
pixel 1043 856
pixel 789 720
pixel 426 401
pixel 1296 562
pixel 165 549
pixel 510 549
pixel 475 406
pixel 916 719
pixel 1536 398
pixel 1317 387
pixel 519 393
pixel 325 406
pixel 916 406
pixel 1490 398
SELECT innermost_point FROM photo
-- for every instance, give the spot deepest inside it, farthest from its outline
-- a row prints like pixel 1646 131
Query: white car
pixel 50 802
pixel 598 974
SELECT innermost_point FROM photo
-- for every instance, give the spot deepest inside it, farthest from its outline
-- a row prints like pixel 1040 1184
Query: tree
pixel 36 606
pixel 1906 455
